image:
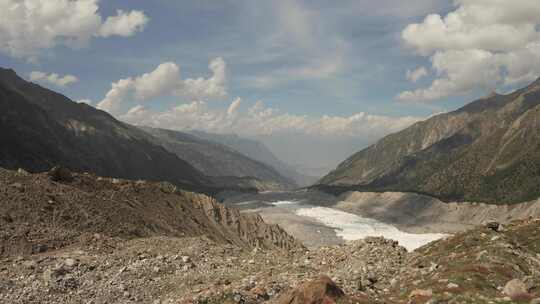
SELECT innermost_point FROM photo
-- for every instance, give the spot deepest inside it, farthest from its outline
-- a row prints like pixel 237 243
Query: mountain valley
pixel 150 215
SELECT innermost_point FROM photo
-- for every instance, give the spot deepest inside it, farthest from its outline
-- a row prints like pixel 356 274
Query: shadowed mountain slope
pixel 40 128
pixel 215 159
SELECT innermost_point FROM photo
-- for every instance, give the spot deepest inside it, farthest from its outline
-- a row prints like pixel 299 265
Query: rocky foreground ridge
pixel 43 212
pixel 68 238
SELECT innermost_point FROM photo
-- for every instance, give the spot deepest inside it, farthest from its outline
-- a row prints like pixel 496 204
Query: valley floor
pixel 409 212
pixel 314 219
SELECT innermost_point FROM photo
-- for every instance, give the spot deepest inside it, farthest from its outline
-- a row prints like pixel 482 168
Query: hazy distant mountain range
pixel 260 152
pixel 213 158
pixel 487 151
pixel 40 128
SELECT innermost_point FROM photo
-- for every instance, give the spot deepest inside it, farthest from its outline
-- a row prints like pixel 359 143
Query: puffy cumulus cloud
pixel 213 87
pixel 258 120
pixel 28 26
pixel 481 44
pixel 112 102
pixel 123 24
pixel 165 80
pixel 463 71
pixel 54 79
pixel 417 74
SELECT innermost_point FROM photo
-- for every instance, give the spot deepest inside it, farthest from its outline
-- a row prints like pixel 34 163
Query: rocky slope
pixel 487 151
pixel 424 214
pixel 45 212
pixel 259 152
pixel 215 159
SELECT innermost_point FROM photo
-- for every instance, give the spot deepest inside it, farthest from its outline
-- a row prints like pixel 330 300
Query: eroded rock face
pixel 251 228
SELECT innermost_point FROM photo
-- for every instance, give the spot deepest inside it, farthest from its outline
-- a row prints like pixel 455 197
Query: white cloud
pixel 463 72
pixel 213 87
pixel 259 120
pixel 234 106
pixel 123 24
pixel 28 26
pixel 54 79
pixel 165 80
pixel 417 74
pixel 290 31
pixel 481 44
pixel 318 69
pixel 112 102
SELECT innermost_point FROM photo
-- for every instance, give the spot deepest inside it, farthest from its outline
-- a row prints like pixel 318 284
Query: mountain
pixel 259 152
pixel 40 128
pixel 487 151
pixel 215 159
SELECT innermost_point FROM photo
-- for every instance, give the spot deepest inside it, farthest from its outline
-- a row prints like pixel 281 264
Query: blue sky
pixel 334 72
pixel 191 33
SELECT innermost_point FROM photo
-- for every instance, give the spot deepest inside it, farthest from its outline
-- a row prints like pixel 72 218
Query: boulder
pixel 22 172
pixel 318 291
pixel 60 174
pixel 495 226
pixel 516 289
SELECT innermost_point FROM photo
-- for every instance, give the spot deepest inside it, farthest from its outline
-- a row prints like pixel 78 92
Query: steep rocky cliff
pixel 487 151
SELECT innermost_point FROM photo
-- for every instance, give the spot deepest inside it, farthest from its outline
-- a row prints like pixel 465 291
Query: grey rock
pixel 60 174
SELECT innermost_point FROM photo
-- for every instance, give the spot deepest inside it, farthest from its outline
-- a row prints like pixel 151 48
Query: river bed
pixel 315 224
